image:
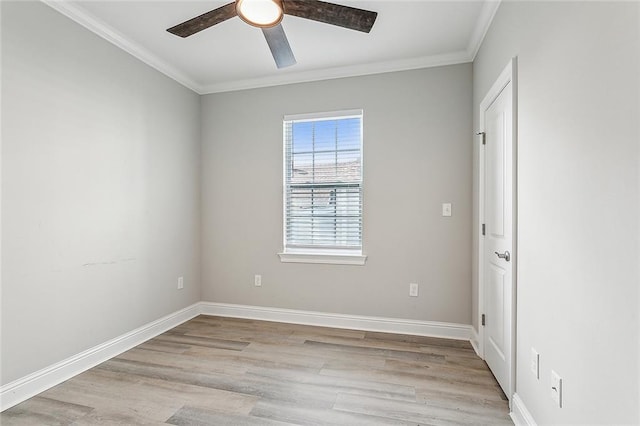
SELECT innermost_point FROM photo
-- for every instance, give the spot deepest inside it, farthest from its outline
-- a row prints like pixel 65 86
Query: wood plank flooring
pixel 224 371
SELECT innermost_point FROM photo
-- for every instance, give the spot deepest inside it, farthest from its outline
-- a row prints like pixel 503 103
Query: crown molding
pixel 340 72
pixel 100 28
pixel 489 9
pixel 82 17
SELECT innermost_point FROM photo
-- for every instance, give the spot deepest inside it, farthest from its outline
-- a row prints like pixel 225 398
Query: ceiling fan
pixel 268 14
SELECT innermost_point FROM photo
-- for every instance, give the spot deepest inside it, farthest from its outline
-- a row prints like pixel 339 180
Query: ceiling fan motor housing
pixel 260 13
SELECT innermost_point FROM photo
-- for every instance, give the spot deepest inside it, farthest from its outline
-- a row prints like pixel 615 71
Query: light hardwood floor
pixel 224 371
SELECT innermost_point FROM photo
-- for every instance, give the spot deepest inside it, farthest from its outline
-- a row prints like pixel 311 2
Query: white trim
pixel 481 189
pixel 488 12
pixel 475 341
pixel 340 72
pixel 317 116
pixel 100 28
pixel 309 253
pixel 519 413
pixel 352 322
pixel 24 388
pixel 78 14
pixel 84 18
pixel 505 77
pixel 330 259
pixel 28 386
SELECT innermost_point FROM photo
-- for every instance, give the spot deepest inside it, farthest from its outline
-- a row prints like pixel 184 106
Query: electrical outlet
pixel 180 283
pixel 413 290
pixel 257 280
pixel 556 388
pixel 535 363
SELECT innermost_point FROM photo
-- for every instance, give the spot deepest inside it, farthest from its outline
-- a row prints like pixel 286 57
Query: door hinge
pixel 483 229
pixel 484 137
pixel 483 319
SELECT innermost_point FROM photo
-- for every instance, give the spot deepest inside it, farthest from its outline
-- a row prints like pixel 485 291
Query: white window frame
pixel 319 255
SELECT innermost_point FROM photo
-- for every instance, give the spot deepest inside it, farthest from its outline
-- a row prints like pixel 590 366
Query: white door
pixel 498 255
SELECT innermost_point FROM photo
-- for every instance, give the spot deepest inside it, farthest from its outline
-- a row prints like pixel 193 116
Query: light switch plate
pixel 535 363
pixel 446 209
pixel 556 388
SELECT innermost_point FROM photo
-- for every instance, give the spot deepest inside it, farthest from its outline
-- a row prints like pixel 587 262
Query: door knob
pixel 506 255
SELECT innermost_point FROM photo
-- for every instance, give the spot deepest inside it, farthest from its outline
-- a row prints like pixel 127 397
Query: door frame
pixel 508 75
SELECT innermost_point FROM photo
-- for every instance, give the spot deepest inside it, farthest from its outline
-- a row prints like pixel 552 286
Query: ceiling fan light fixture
pixel 260 13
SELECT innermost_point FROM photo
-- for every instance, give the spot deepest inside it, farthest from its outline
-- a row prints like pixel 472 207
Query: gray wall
pixel 100 197
pixel 417 155
pixel 579 190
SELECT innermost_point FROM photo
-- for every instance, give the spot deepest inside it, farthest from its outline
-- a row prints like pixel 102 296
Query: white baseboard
pixel 519 413
pixel 24 388
pixel 475 341
pixel 28 386
pixel 355 322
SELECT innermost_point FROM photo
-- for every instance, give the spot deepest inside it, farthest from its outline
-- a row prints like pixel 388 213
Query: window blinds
pixel 323 181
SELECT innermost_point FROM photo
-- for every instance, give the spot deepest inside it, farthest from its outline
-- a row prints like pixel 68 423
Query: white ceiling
pixel 232 55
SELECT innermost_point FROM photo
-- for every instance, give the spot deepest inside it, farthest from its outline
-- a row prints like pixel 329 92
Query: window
pixel 323 188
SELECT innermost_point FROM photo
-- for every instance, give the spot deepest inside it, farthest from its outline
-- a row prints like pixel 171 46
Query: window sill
pixel 334 259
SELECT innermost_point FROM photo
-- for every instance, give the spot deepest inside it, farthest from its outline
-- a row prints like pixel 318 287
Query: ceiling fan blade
pixel 330 13
pixel 279 45
pixel 204 21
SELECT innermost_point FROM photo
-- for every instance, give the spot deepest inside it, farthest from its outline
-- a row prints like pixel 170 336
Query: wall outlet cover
pixel 413 290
